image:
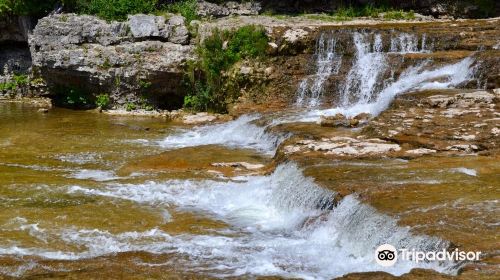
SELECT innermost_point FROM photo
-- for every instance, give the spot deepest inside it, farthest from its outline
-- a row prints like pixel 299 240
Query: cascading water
pixel 241 132
pixel 365 73
pixel 283 224
pixel 368 88
pixel 365 79
pixel 327 63
pixel 414 78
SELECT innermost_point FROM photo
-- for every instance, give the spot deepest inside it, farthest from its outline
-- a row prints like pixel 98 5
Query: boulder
pixel 145 54
pixel 146 26
pixel 363 117
pixel 207 9
pixel 341 120
pixel 334 121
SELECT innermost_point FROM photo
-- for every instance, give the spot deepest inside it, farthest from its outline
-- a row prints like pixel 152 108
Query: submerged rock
pixel 341 120
pixel 334 121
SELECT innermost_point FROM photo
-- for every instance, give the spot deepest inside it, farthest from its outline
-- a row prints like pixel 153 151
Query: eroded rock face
pixel 207 9
pixel 142 56
pixel 14 51
pixel 456 121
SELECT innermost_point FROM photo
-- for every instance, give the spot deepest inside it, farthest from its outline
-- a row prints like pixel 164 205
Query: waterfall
pixel 366 77
pixel 327 63
pixel 370 86
pixel 365 74
pixel 280 226
pixel 242 132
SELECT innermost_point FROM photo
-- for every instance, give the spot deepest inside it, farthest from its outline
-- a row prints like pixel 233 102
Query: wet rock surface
pixel 451 121
pixel 430 159
pixel 416 124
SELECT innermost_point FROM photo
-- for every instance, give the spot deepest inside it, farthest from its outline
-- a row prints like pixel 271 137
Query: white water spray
pixel 366 91
pixel 327 63
pixel 282 226
pixel 241 133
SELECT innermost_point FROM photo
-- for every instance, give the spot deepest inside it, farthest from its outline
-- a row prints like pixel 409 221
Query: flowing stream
pixel 71 195
pixel 366 89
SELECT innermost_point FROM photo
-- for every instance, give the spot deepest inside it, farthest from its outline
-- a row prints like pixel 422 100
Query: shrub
pixel 206 78
pixel 21 80
pixel 72 97
pixel 8 86
pixel 130 106
pixel 116 9
pixel 27 7
pixel 399 14
pixel 187 8
pixel 144 84
pixel 15 82
pixel 102 101
pixel 76 98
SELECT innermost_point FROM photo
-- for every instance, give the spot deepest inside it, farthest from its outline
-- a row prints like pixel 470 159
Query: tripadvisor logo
pixel 388 255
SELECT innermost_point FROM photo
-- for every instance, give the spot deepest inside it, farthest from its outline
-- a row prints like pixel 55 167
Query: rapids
pixel 66 202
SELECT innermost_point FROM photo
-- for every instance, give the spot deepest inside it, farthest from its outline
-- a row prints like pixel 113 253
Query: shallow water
pixel 90 195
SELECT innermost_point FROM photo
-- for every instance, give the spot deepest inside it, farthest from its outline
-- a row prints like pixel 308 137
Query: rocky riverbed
pixel 344 136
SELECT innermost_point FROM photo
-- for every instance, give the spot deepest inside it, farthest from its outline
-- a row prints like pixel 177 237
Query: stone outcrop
pixel 144 55
pixel 14 54
pixel 344 147
pixel 450 121
pixel 293 42
pixel 246 8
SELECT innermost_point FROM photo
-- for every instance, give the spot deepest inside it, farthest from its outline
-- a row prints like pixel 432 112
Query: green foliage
pixel 187 8
pixel 21 80
pixel 102 101
pixel 248 41
pixel 116 9
pixel 345 13
pixel 144 84
pixel 72 97
pixel 106 64
pixel 10 85
pixel 16 82
pixel 144 103
pixel 130 106
pixel 200 99
pixel 399 14
pixel 27 7
pixel 218 53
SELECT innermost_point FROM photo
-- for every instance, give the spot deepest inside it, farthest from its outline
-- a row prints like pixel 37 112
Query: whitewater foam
pixel 241 133
pixel 327 63
pixel 467 171
pixel 366 90
pixel 413 79
pixel 283 226
pixel 96 175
